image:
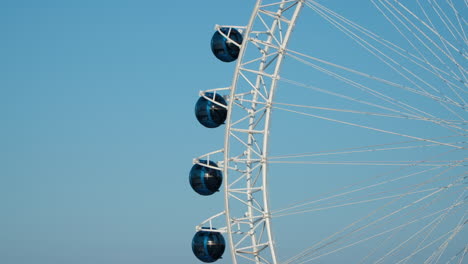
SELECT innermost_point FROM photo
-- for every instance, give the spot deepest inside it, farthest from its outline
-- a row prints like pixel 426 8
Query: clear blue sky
pixel 97 127
pixel 97 131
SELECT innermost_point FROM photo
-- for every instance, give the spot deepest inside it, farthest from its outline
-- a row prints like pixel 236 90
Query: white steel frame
pixel 244 159
pixel 245 166
pixel 244 163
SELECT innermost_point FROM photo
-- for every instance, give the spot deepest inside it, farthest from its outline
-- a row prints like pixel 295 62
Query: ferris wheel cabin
pixel 207 245
pixel 211 113
pixel 205 180
pixel 225 44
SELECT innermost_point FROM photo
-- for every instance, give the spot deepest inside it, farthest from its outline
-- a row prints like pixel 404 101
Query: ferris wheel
pixel 343 143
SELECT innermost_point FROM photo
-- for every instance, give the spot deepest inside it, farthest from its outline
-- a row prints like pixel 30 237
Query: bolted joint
pixel 267 215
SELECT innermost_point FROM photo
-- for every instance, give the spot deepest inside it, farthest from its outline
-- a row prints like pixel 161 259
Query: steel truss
pixel 245 166
pixel 244 156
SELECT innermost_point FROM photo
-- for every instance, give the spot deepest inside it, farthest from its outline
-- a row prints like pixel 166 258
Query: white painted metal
pixel 248 221
pixel 244 156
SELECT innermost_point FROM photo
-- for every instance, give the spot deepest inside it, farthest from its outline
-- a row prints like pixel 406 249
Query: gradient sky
pixel 97 129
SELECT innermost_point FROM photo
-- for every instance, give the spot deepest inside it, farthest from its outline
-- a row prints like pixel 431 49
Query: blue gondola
pixel 208 246
pixel 224 48
pixel 211 114
pixel 205 180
